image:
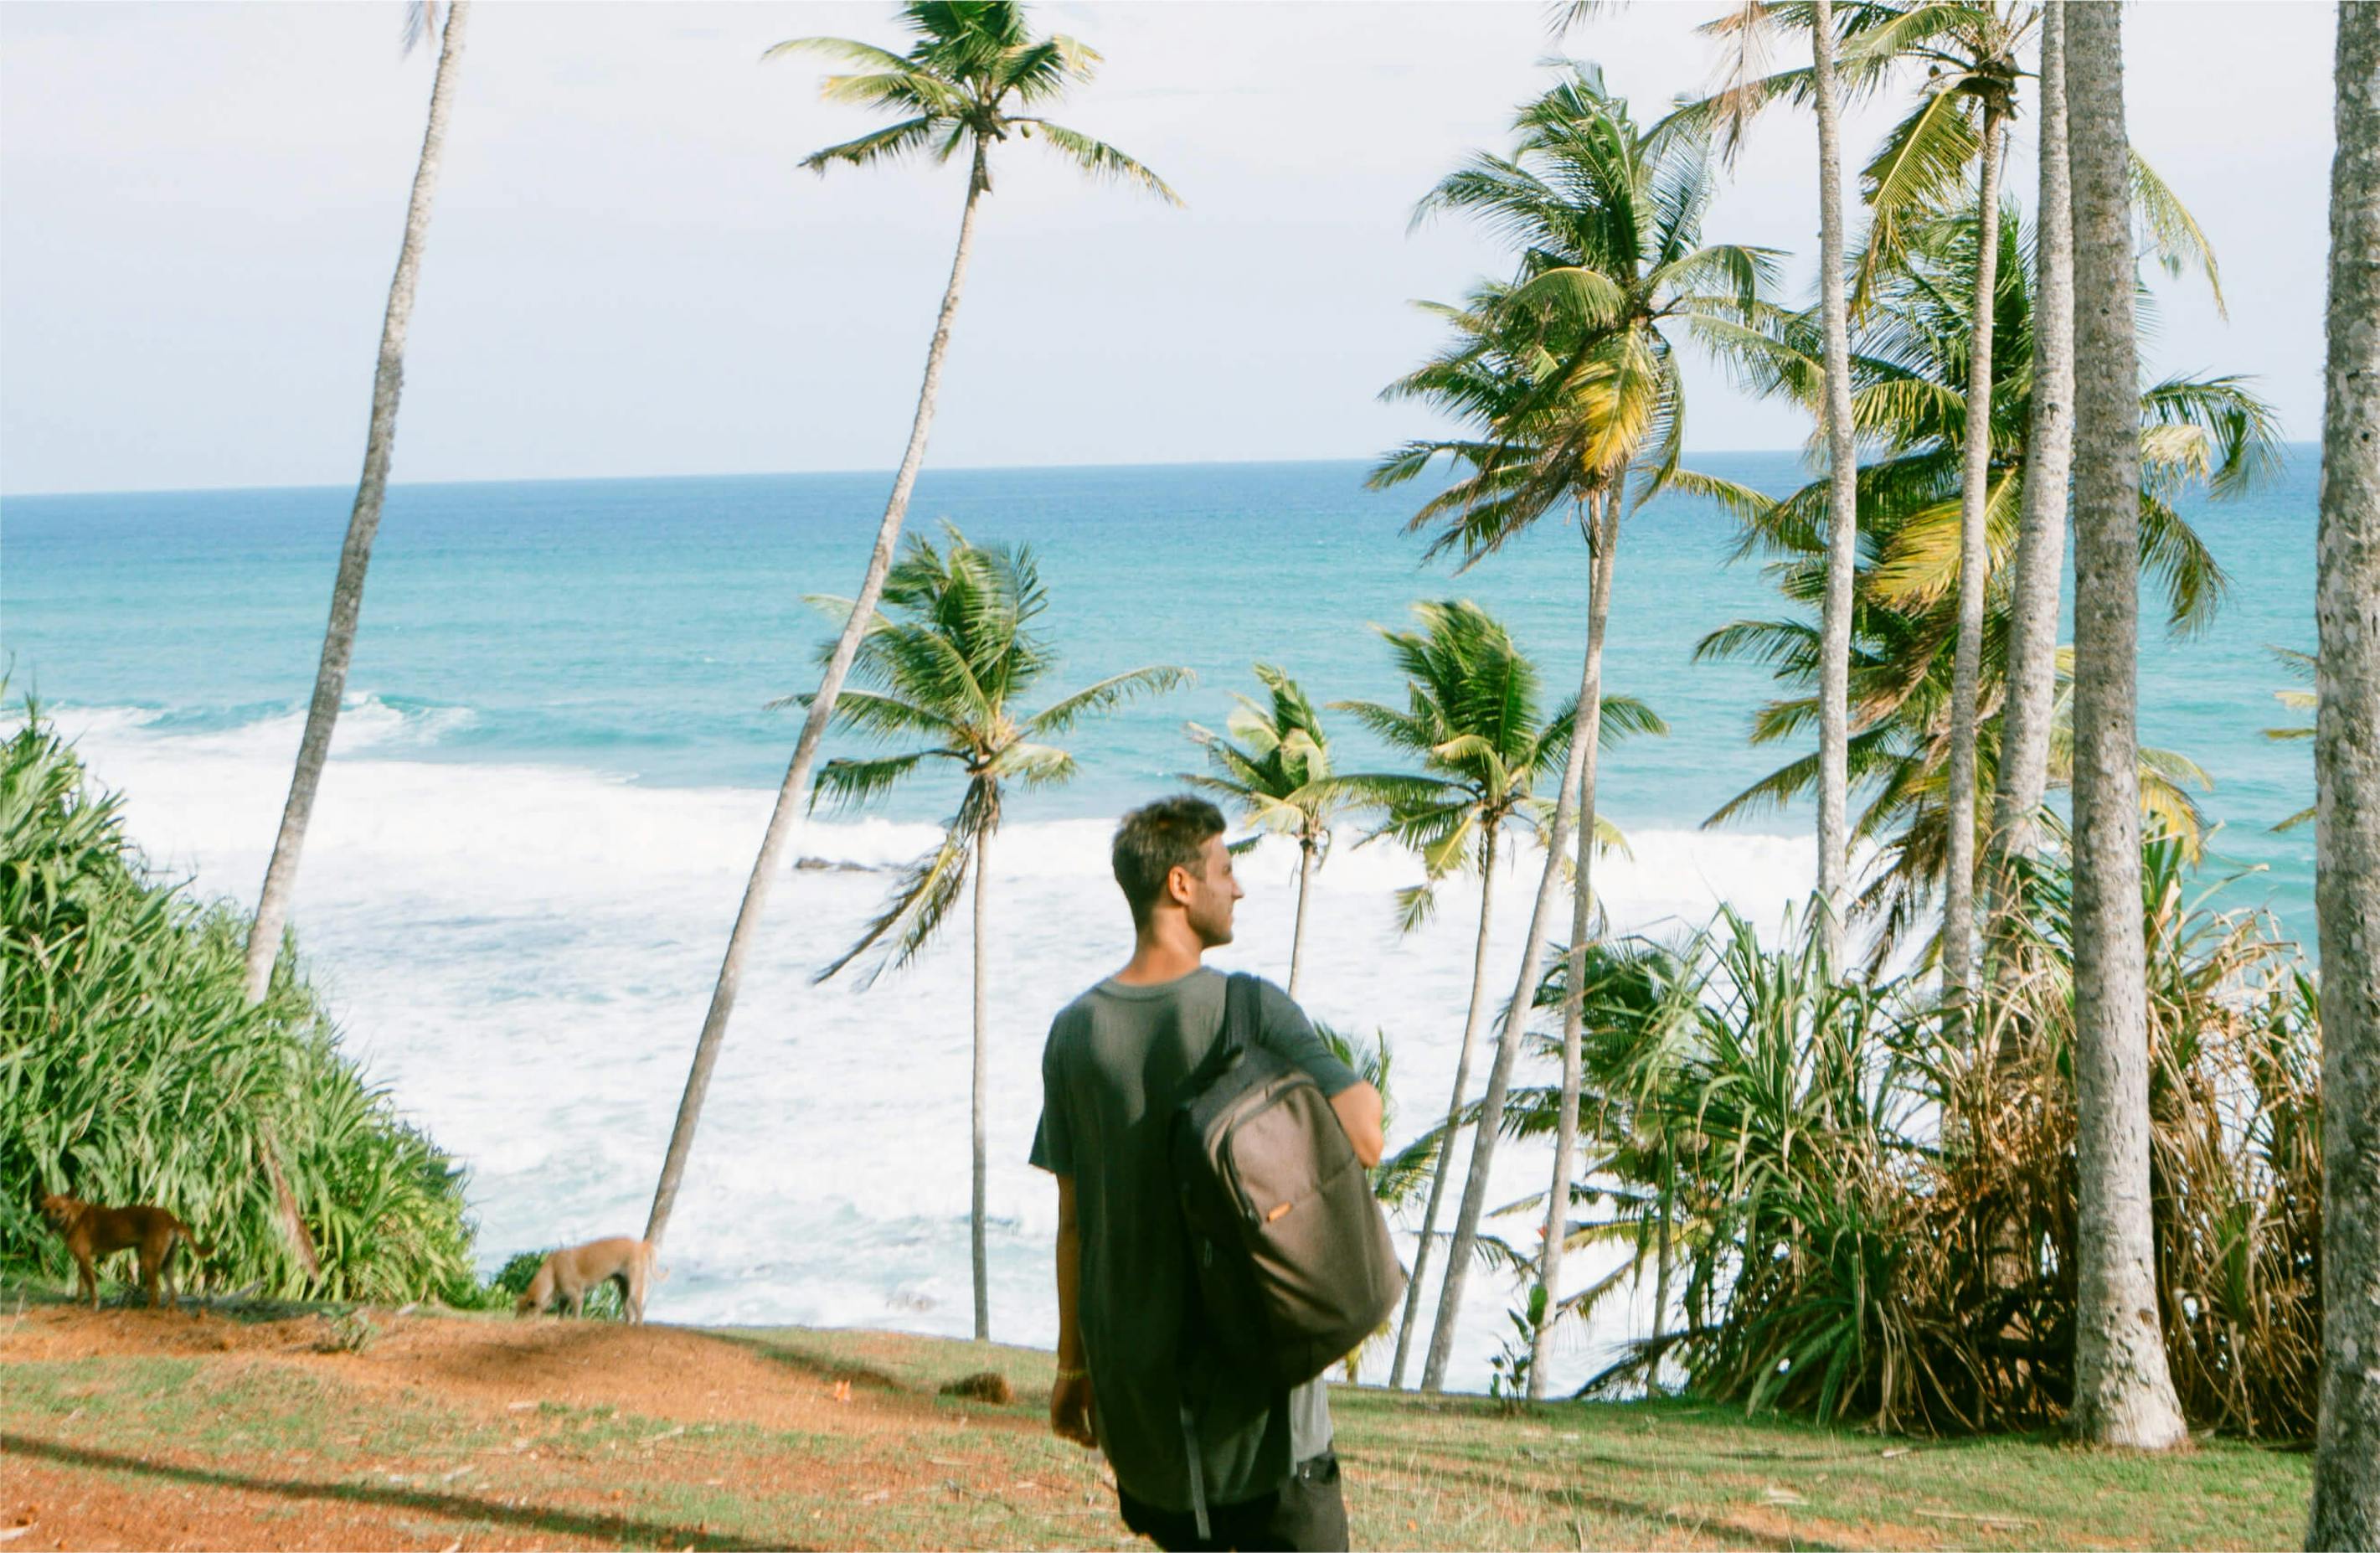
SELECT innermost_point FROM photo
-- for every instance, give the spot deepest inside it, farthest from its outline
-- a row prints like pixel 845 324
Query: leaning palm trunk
pixel 2123 1387
pixel 347 593
pixel 1974 568
pixel 2346 835
pixel 1445 1165
pixel 1842 502
pixel 795 793
pixel 1516 1018
pixel 2032 677
pixel 363 524
pixel 1573 1013
pixel 982 1075
pixel 1297 936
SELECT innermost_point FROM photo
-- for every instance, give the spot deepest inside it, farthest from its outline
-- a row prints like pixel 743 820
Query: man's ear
pixel 1181 884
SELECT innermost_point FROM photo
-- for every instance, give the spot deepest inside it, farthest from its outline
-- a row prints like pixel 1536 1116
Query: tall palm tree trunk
pixel 795 792
pixel 1974 570
pixel 264 933
pixel 1661 1255
pixel 1516 1018
pixel 1445 1167
pixel 1297 936
pixel 982 1077
pixel 1842 502
pixel 2049 446
pixel 1573 1015
pixel 2346 1510
pixel 363 524
pixel 2123 1389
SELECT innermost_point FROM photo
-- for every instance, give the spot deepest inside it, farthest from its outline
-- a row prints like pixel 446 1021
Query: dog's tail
pixel 649 1252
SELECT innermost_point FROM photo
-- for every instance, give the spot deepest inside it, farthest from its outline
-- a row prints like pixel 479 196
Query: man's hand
pixel 1071 1410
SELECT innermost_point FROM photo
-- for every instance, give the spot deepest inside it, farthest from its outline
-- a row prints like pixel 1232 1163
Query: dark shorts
pixel 1308 1515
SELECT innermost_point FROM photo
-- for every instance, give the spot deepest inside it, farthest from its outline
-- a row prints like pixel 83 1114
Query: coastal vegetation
pixel 134 1065
pixel 1566 379
pixel 1473 721
pixel 2006 1130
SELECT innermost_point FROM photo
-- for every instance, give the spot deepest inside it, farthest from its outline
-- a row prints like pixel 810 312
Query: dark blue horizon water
pixel 638 628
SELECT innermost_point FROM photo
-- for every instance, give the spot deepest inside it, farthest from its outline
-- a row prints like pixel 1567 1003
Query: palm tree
pixel 1279 775
pixel 1907 381
pixel 264 934
pixel 946 661
pixel 1971 51
pixel 974 65
pixel 1472 723
pixel 1568 382
pixel 2049 449
pixel 2346 1510
pixel 2123 1387
pixel 1747 29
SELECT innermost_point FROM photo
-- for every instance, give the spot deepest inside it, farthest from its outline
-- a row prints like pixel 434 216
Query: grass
pixel 302 1453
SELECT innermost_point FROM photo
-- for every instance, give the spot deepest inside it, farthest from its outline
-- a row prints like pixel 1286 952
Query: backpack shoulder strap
pixel 1243 1012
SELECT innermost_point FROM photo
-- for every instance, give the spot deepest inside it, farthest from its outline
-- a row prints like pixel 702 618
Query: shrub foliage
pixel 132 1069
pixel 1868 1218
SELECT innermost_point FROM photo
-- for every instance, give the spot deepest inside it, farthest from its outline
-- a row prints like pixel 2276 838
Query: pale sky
pixel 628 273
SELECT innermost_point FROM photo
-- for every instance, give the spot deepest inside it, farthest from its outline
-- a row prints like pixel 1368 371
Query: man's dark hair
pixel 1156 838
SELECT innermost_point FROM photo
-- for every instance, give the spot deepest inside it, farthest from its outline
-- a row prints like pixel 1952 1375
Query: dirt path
pixel 141 1429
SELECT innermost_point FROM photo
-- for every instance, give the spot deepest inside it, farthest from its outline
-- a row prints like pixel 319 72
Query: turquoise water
pixel 555 764
pixel 638 628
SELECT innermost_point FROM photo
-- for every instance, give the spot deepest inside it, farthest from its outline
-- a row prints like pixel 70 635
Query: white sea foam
pixel 524 953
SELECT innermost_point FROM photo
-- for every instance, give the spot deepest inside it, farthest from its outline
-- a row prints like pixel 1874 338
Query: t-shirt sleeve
pixel 1053 1140
pixel 1288 1033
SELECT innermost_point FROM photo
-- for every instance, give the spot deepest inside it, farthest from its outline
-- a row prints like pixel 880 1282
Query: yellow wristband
pixel 1064 1373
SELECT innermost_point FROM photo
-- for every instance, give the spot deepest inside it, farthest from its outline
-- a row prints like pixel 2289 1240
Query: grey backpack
pixel 1290 1253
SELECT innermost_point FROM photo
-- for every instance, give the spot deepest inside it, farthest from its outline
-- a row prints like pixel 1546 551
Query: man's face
pixel 1213 891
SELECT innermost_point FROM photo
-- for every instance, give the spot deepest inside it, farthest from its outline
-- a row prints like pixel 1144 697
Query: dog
pixel 93 1234
pixel 568 1274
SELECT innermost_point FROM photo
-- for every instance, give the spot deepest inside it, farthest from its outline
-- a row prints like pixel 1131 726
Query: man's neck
pixel 1162 952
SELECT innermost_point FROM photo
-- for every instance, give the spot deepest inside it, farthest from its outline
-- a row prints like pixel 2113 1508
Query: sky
pixel 629 273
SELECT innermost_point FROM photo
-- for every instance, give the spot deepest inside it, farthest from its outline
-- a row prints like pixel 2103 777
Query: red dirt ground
pixel 60 1487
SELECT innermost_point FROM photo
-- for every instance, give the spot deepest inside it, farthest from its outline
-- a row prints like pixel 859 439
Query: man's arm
pixel 1357 1104
pixel 1070 1397
pixel 1359 1115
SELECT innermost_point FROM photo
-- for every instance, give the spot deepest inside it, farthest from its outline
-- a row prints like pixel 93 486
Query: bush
pixel 1873 1217
pixel 132 1069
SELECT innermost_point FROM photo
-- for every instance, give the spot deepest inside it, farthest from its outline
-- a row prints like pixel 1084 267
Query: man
pixel 1114 1070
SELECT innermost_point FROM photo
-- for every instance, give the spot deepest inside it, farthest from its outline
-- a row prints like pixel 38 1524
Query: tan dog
pixel 93 1234
pixel 568 1274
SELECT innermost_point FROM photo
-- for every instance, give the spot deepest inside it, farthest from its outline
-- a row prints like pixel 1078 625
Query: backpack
pixel 1288 1247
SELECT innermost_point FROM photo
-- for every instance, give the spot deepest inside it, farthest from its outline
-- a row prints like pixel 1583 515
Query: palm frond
pixel 1117 690
pixel 1097 158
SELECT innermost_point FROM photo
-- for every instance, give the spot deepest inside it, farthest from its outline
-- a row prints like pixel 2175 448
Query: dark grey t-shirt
pixel 1111 1076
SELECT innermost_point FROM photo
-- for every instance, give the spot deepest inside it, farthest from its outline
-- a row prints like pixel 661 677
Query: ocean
pixel 557 758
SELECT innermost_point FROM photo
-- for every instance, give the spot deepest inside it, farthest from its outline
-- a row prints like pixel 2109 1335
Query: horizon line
pixel 759 474
pixel 798 474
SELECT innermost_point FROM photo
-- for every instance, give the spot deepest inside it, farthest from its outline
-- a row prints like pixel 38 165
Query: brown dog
pixel 569 1273
pixel 93 1234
